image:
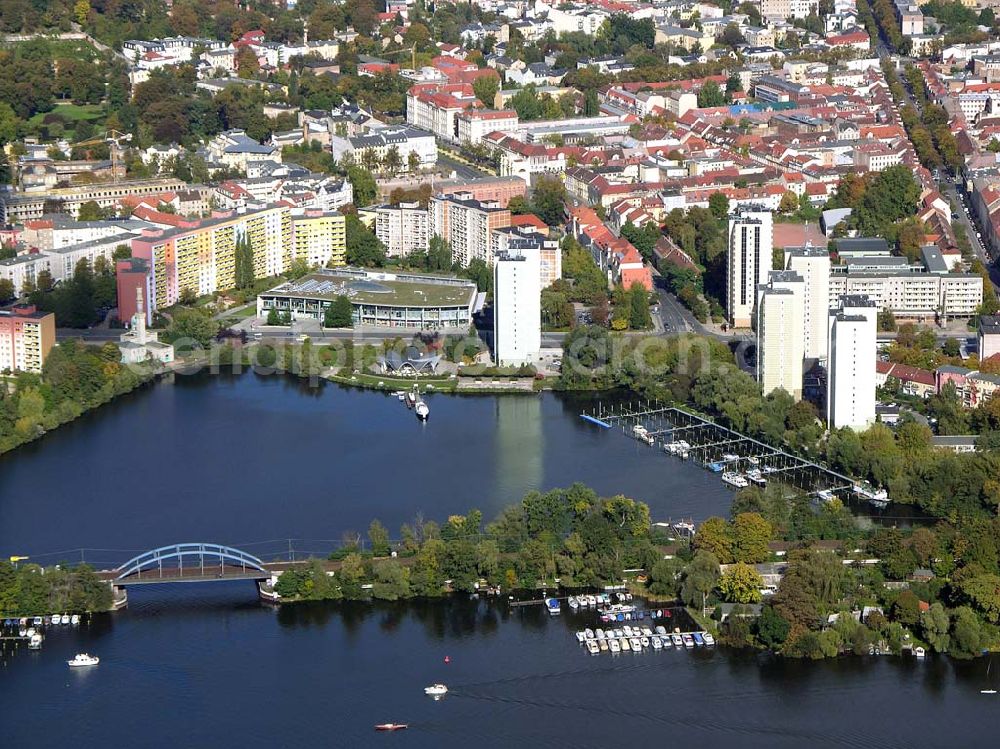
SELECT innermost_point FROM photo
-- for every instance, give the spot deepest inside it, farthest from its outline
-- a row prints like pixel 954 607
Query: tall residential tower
pixel 780 310
pixel 850 397
pixel 748 261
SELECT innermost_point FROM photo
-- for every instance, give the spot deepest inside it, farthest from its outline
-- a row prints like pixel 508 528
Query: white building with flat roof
pixel 850 397
pixel 402 228
pixel 748 261
pixel 780 340
pixel 813 264
pixel 517 308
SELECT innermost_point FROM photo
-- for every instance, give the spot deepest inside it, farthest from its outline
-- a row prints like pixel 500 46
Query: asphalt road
pixel 463 171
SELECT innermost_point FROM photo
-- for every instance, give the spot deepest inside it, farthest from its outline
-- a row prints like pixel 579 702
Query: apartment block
pixel 319 238
pixel 26 337
pixel 780 341
pixel 517 312
pixel 402 228
pixel 748 261
pixel 850 400
pixel 467 224
pixel 813 265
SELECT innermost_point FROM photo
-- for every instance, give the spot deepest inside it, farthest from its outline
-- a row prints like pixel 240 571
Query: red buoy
pixel 447 659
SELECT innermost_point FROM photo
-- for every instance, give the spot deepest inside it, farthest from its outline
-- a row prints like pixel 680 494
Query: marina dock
pixel 677 431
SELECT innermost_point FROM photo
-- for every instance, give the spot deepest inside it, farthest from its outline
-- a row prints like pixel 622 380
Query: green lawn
pixel 68 115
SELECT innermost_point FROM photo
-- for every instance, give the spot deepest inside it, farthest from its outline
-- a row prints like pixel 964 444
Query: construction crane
pixel 413 55
pixel 114 139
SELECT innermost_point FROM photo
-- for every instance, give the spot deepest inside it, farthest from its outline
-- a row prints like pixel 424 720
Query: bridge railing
pixel 180 552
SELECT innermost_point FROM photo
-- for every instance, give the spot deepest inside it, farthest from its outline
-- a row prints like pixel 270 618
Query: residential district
pixel 804 176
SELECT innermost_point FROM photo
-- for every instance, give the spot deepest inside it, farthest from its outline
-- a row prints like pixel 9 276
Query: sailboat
pixel 988 691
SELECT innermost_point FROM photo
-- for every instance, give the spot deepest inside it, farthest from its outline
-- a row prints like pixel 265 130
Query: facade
pixel 989 336
pixel 517 311
pixel 476 124
pixel 26 337
pixel 405 140
pixel 521 240
pixel 780 342
pixel 813 264
pixel 402 228
pixel 382 300
pixel 748 261
pixel 497 189
pixel 851 373
pixel 908 291
pixel 467 224
pixel 203 259
pixel 20 206
pixel 319 238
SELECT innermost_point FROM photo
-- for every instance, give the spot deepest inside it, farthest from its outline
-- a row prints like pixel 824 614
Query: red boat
pixel 391 726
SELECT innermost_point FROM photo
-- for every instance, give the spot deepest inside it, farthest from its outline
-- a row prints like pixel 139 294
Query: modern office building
pixel 780 341
pixel 379 299
pixel 813 265
pixel 403 228
pixel 748 261
pixel 850 399
pixel 26 337
pixel 517 311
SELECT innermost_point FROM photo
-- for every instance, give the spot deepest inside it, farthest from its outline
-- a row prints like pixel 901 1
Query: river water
pixel 257 461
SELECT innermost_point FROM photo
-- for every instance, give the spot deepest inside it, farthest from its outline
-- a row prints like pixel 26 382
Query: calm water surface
pixel 247 460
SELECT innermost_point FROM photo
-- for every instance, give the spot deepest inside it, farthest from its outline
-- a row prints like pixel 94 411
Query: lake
pixel 254 462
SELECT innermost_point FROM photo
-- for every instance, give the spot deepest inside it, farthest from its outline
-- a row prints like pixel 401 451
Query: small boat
pixel 667 642
pixel 715 467
pixel 919 652
pixel 83 659
pixel 731 478
pixel 581 637
pixel 37 621
pixel 647 631
pixel 677 640
pixel 390 726
pixel 987 691
pixel 708 638
pixel 688 640
pixel 826 495
pixel 588 633
pixel 656 642
pixel 436 690
pixel 754 476
pixel 698 639
pixel 614 646
pixel 644 641
pixel 625 643
pixel 35 642
pixel 592 647
pixel 730 458
pixel 754 461
pixel 55 619
pixel 660 629
pixel 422 410
pixel 22 632
pixel 29 632
pixel 599 634
pixel 603 645
pixel 573 603
pixel 627 630
pixel 552 606
pixel 636 644
pixel 591 600
pixel 74 620
pixel 64 619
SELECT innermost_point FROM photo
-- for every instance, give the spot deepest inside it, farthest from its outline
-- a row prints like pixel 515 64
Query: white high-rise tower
pixel 780 309
pixel 517 307
pixel 813 264
pixel 748 261
pixel 850 396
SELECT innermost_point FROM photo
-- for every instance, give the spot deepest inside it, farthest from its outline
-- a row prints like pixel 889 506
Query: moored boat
pixel 655 642
pixel 708 638
pixel 625 643
pixel 592 647
pixel 552 606
pixel 736 480
pixel 698 639
pixel 677 640
pixel 688 640
pixel 636 644
pixel 614 646
pixel 436 690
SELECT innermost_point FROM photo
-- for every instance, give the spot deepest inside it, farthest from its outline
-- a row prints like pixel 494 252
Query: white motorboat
pixel 660 629
pixel 436 690
pixel 421 410
pixel 647 632
pixel 730 458
pixel 625 643
pixel 37 621
pixel 55 618
pixel 599 634
pixel 734 479
pixel 754 476
pixel 573 603
pixel 627 631
pixel 826 495
pixel 552 606
pixel 591 600
pixel 644 641
pixel 688 640
pixel 75 619
pixel 677 640
pixel 588 633
pixel 83 659
pixel 581 637
pixel 636 644
pixel 603 645
pixel 614 646
pixel 656 643
pixel 35 642
pixel 592 647
pixel 64 619
pixel 708 638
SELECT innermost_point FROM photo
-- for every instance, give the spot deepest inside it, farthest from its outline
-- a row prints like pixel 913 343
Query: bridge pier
pixel 119 597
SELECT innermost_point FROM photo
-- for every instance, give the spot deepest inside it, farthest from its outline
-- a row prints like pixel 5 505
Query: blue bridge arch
pixel 219 557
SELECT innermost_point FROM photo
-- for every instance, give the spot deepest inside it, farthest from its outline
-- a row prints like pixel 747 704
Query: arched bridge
pixel 189 562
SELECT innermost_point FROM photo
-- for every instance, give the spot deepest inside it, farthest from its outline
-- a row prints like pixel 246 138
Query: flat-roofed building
pixel 748 261
pixel 403 228
pixel 851 374
pixel 378 299
pixel 26 337
pixel 780 335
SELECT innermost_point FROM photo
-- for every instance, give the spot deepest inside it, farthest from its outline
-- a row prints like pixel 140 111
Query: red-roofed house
pixel 912 380
pixel 435 107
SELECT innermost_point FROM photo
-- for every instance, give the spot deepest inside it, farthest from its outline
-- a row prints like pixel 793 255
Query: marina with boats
pixel 32 629
pixel 740 460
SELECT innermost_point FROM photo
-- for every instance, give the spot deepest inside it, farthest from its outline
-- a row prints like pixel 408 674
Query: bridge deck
pixel 186 575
